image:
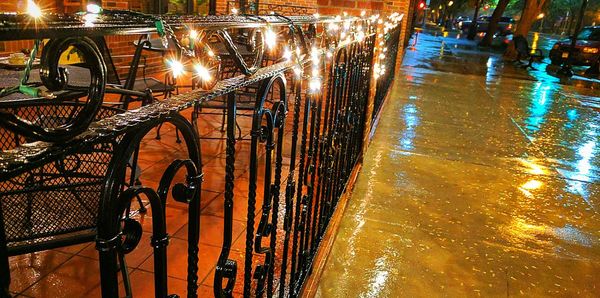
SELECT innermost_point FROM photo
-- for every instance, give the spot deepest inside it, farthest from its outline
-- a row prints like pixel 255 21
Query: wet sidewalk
pixel 481 180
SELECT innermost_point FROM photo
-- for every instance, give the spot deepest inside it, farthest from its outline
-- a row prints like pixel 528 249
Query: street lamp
pixel 541 17
pixel 450 3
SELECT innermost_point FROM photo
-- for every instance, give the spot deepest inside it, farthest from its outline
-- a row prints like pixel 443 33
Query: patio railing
pixel 68 165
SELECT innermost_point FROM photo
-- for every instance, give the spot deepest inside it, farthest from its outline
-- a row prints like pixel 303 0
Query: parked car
pixel 458 22
pixel 505 25
pixel 587 48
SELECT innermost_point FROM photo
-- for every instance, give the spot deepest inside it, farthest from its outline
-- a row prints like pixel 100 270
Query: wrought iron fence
pixel 315 75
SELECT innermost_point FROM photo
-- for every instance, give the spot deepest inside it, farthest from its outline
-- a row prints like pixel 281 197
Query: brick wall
pixel 122 45
pixel 352 7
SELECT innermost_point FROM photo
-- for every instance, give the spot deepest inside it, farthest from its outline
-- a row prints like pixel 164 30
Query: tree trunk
pixel 529 15
pixel 473 27
pixel 493 25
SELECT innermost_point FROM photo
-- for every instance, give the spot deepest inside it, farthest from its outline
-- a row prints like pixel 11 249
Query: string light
pixel 90 19
pixel 270 38
pixel 203 72
pixel 333 27
pixel 287 54
pixel 360 36
pixel 93 8
pixel 315 55
pixel 193 34
pixel 347 25
pixel 33 9
pixel 314 84
pixel 177 68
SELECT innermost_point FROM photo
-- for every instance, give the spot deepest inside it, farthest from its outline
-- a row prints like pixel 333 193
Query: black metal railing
pixel 318 79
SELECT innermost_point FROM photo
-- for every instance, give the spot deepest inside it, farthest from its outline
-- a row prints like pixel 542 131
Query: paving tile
pixel 72 279
pixel 27 269
pixel 177 259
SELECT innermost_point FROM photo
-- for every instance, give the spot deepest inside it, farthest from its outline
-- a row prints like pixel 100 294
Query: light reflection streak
pixel 411 121
pixel 379 278
pixel 539 107
pixel 577 180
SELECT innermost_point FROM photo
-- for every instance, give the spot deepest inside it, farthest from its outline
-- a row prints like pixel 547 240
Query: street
pixel 482 180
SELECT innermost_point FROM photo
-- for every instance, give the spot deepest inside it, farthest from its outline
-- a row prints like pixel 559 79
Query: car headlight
pixel 555 47
pixel 590 50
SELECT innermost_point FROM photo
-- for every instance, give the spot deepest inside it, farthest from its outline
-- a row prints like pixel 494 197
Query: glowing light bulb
pixel 176 68
pixel 329 54
pixel 317 15
pixel 203 72
pixel 287 54
pixel 234 11
pixel 315 55
pixel 363 13
pixel 211 53
pixel 360 36
pixel 270 38
pixel 33 10
pixel 94 8
pixel 314 84
pixel 90 19
pixel 193 34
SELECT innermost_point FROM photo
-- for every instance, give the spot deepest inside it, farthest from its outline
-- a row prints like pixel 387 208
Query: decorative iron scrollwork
pixel 55 78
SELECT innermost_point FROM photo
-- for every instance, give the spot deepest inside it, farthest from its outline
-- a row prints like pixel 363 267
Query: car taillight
pixel 590 50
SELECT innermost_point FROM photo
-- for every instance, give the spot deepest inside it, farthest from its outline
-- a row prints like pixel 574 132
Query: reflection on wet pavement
pixel 482 180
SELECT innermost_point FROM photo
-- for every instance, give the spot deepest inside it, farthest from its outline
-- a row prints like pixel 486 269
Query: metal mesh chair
pixel 57 203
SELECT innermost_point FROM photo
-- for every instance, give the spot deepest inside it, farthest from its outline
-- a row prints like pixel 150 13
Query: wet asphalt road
pixel 483 179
